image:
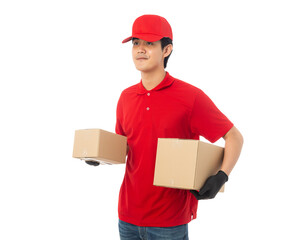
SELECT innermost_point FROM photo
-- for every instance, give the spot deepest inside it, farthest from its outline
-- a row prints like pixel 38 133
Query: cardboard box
pixel 186 163
pixel 99 145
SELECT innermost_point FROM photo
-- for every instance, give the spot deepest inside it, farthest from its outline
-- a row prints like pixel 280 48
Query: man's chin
pixel 143 69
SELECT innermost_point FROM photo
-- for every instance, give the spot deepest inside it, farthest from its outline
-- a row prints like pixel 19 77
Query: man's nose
pixel 141 48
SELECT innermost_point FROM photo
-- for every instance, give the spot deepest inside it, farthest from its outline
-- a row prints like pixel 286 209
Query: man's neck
pixel 151 79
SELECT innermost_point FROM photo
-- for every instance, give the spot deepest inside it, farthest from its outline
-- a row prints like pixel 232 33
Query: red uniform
pixel 173 109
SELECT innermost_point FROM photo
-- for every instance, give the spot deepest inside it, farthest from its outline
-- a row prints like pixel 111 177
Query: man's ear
pixel 167 50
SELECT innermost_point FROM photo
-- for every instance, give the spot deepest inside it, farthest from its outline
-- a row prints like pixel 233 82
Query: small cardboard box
pixel 186 163
pixel 99 145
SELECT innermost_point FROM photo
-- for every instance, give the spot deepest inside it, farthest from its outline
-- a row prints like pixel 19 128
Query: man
pixel 161 106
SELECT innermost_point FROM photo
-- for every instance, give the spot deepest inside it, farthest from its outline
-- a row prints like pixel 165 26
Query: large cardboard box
pixel 186 163
pixel 99 145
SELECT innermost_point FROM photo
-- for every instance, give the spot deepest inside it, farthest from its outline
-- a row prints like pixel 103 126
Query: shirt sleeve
pixel 207 120
pixel 119 118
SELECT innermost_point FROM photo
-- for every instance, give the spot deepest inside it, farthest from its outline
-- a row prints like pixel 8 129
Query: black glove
pixel 211 186
pixel 93 163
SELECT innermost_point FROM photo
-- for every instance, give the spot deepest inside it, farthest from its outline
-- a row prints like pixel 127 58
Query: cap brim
pixel 146 37
pixel 127 39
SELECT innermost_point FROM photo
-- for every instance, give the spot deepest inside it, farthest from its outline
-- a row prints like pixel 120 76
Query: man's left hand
pixel 211 186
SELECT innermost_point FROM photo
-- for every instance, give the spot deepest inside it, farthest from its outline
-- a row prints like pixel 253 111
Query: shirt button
pixel 148 94
pixel 148 108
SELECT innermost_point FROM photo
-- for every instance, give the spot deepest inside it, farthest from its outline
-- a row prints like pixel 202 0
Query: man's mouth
pixel 141 58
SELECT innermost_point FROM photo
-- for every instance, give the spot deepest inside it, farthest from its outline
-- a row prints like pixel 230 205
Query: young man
pixel 161 106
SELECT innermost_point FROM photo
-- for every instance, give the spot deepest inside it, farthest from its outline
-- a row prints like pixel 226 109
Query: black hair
pixel 164 42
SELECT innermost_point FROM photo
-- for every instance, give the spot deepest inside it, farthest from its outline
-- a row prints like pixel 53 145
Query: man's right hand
pixel 93 163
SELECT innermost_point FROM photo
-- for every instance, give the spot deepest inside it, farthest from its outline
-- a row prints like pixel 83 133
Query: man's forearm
pixel 233 146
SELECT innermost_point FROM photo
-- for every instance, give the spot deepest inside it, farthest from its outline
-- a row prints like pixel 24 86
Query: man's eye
pixel 135 43
pixel 149 43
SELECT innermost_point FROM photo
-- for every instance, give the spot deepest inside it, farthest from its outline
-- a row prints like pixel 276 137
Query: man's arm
pixel 233 146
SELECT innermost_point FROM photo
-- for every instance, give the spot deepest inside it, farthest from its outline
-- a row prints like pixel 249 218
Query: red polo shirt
pixel 173 109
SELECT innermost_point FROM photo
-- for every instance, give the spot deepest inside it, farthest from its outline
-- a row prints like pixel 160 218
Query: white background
pixel 63 67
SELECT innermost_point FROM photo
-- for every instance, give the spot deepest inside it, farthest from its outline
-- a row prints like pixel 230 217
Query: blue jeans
pixel 132 232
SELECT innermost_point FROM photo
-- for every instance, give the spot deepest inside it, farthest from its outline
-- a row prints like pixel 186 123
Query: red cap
pixel 150 28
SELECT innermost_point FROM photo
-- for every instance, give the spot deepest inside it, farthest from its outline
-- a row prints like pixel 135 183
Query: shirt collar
pixel 166 82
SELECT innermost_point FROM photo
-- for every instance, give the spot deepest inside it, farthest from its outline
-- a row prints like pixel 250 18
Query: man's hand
pixel 93 163
pixel 211 187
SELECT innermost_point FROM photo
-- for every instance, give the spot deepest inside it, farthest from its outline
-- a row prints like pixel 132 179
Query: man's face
pixel 147 56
